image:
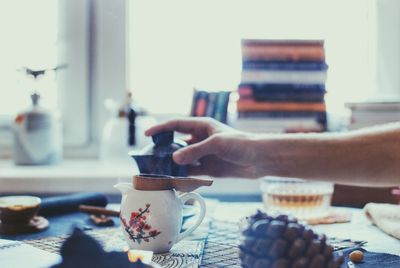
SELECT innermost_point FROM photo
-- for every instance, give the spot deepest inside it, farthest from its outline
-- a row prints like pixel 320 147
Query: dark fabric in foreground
pixel 81 251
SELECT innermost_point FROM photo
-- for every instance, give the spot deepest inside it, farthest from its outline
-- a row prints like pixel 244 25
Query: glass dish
pixel 301 198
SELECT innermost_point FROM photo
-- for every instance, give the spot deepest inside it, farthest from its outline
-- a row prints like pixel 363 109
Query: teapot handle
pixel 192 196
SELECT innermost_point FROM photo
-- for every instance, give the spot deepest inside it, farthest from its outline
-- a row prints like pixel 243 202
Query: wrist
pixel 266 159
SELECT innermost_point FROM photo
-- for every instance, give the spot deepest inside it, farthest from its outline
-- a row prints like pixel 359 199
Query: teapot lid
pixel 157 158
pixel 164 144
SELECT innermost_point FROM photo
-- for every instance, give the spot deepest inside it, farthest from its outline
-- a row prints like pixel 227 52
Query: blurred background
pixel 164 52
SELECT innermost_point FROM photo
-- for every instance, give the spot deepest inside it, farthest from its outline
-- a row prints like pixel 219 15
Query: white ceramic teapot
pixel 152 220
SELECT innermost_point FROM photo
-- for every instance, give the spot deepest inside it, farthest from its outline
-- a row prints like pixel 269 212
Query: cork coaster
pixel 36 224
pixel 335 216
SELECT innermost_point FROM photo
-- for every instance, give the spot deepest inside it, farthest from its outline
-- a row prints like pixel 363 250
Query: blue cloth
pixel 372 259
pixel 61 225
pixel 62 213
pixel 64 204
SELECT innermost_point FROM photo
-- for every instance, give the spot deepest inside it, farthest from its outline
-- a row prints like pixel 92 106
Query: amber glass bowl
pixel 300 198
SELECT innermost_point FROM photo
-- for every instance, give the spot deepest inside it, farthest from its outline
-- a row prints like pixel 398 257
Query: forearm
pixel 368 157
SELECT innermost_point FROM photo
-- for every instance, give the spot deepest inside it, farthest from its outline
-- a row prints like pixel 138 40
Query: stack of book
pixel 282 86
pixel 210 104
pixel 366 114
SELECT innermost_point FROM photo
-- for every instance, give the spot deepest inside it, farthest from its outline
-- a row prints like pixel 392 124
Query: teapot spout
pixel 124 187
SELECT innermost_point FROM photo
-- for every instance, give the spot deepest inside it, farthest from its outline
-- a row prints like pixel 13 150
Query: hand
pixel 218 149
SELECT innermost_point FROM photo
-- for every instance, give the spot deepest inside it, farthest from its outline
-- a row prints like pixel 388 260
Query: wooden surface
pixel 354 196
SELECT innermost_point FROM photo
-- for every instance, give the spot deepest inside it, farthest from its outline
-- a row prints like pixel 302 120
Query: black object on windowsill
pixel 132 114
pixel 64 204
pixel 156 159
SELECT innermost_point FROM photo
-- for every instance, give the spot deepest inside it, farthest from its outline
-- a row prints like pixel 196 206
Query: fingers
pixel 194 152
pixel 183 125
pixel 191 139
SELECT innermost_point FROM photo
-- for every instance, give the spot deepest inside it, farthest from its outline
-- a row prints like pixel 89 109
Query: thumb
pixel 194 152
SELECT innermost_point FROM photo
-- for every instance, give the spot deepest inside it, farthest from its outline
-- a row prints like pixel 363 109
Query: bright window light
pixel 180 44
pixel 29 36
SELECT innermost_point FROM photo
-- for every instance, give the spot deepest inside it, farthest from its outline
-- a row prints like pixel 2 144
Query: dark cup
pixel 18 209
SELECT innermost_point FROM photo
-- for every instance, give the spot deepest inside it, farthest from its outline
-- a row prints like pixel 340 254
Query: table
pixel 358 229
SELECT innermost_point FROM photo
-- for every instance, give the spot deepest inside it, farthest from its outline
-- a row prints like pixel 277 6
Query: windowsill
pixel 94 175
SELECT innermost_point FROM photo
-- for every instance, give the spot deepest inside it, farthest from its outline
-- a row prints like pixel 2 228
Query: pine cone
pixel 282 242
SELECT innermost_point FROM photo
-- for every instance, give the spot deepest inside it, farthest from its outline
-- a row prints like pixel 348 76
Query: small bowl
pixel 18 209
pixel 300 198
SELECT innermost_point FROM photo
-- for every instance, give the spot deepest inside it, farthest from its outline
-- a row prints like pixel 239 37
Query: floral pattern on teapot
pixel 137 227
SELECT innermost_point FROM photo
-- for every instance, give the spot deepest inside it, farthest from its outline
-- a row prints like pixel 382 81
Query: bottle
pixel 37 136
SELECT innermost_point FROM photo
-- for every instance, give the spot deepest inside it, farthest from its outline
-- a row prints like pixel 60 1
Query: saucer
pixel 36 224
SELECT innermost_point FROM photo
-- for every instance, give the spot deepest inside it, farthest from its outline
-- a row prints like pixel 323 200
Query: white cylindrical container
pixel 37 136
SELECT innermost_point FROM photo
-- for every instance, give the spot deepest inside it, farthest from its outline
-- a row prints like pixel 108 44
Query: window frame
pixel 91 43
pixel 73 82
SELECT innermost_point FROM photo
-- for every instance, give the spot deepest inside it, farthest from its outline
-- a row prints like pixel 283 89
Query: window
pixel 28 40
pixel 180 44
pixel 44 34
pixel 162 49
pixel 29 30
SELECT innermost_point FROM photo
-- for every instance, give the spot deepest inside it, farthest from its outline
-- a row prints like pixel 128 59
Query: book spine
pixel 280 42
pixel 268 123
pixel 319 117
pixel 201 103
pixel 294 53
pixel 284 65
pixel 194 102
pixel 285 87
pixel 281 114
pixel 271 121
pixel 248 105
pixel 284 97
pixel 245 92
pixel 212 103
pixel 288 92
pixel 221 109
pixel 291 77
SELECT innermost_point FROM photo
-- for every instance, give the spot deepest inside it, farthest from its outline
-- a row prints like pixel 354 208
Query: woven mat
pixel 218 249
pixel 186 253
pixel 221 248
